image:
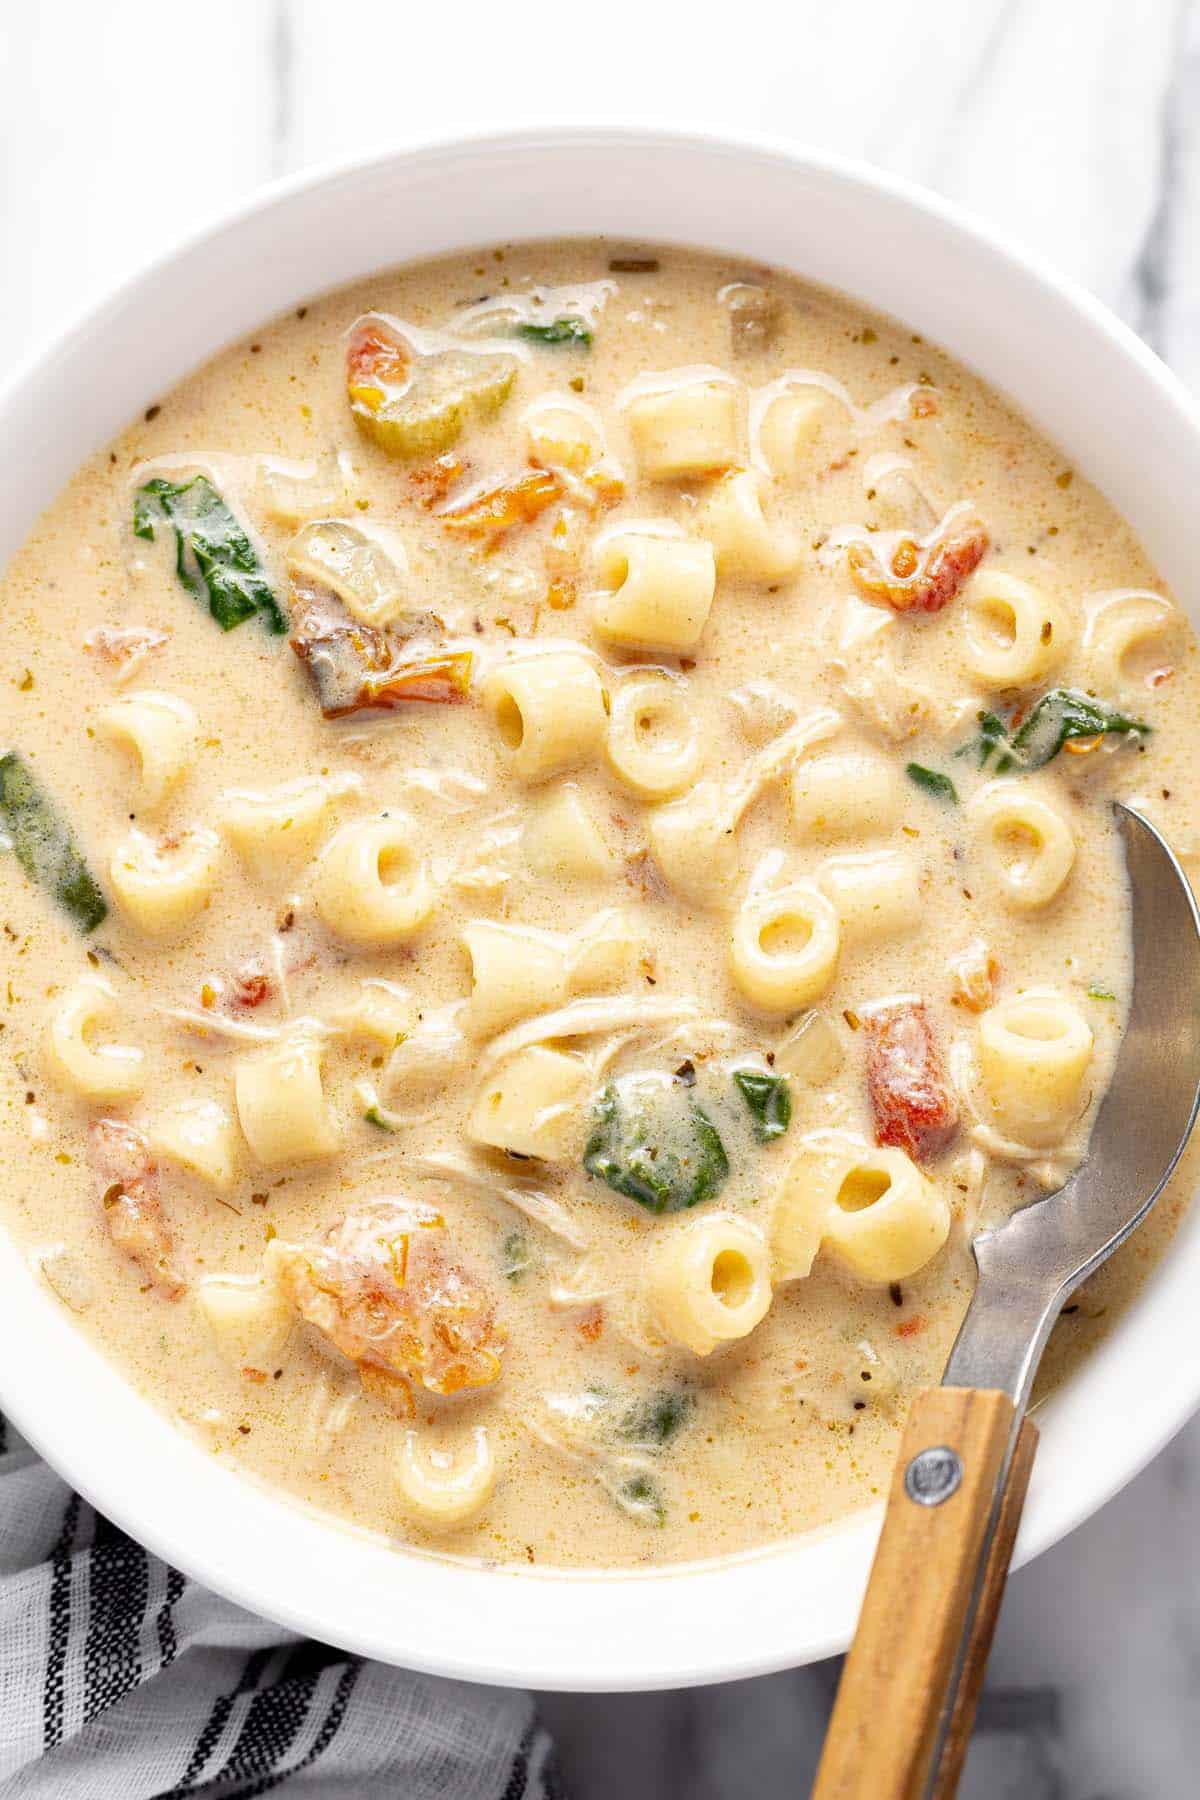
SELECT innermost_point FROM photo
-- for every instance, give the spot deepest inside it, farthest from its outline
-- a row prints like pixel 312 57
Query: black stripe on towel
pixel 118 1596
pixel 59 1628
pixel 325 1736
pixel 276 1716
pixel 168 1643
pixel 518 1775
pixel 217 1720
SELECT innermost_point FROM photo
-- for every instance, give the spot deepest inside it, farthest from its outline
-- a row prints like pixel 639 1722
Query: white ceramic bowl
pixel 1117 414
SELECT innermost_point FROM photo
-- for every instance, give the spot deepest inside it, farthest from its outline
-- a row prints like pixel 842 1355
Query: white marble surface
pixel 1073 123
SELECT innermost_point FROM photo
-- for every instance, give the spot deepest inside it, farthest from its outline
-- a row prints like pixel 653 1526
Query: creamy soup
pixel 561 866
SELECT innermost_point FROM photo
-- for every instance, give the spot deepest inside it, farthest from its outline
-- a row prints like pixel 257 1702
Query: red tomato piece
pixel 911 1099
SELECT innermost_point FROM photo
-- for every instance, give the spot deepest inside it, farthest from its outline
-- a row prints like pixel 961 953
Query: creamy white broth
pixel 605 1437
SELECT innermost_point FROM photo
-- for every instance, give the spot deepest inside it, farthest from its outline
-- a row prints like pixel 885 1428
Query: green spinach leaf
pixel 1063 714
pixel 769 1100
pixel 556 331
pixel 991 745
pixel 44 845
pixel 653 1143
pixel 515 1255
pixel 940 786
pixel 1060 715
pixel 639 1496
pixel 653 1422
pixel 213 555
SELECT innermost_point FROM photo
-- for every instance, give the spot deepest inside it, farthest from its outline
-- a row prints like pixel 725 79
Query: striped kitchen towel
pixel 120 1680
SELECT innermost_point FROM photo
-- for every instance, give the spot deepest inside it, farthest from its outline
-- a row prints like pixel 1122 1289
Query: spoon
pixel 902 1719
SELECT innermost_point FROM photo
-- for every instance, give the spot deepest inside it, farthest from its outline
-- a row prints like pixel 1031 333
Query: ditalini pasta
pixel 658 589
pixel 159 731
pixel 556 864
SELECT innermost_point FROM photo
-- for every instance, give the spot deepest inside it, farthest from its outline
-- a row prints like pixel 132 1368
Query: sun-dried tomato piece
pixel 437 680
pixel 433 482
pixel 486 517
pixel 250 984
pixel 375 360
pixel 973 972
pixel 355 668
pixel 911 1099
pixel 921 577
pixel 385 1287
pixel 133 1210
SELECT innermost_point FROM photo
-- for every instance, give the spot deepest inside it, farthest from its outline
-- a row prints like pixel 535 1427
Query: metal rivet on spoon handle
pixel 907 1697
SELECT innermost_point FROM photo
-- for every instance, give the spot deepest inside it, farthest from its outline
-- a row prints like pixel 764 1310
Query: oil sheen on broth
pixel 595 766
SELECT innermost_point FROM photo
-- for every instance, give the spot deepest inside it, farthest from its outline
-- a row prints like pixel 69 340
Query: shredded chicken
pixel 588 1018
pixel 573 1427
pixel 534 1202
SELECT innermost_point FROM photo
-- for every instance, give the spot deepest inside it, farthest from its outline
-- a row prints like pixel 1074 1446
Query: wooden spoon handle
pixel 979 1645
pixel 930 1609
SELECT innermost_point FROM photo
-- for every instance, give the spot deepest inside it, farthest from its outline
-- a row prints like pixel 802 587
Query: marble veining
pixel 1074 125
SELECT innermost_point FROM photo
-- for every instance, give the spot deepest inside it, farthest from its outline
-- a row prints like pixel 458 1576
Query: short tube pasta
pixel 1028 842
pixel 564 433
pixel 1122 631
pixel 441 1490
pixel 281 1103
pixel 1014 633
pixel 161 732
pixel 93 1070
pixel 163 887
pixel 533 1105
pixel 272 829
pixel 1034 1054
pixel 653 736
pixel 887 1219
pixel 601 951
pixel 800 1211
pixel 784 947
pixel 876 895
pixel 691 426
pixel 249 1318
pixel 846 794
pixel 381 1012
pixel 745 543
pixel 515 971
pixel 562 838
pixel 370 885
pixel 708 1281
pixel 695 844
pixel 549 712
pixel 200 1136
pixel 657 593
pixel 789 429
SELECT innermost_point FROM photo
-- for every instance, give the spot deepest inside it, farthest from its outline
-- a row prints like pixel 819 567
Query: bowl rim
pixel 40 1406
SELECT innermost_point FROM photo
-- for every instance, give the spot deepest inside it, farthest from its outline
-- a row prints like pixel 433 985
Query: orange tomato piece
pixel 486 517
